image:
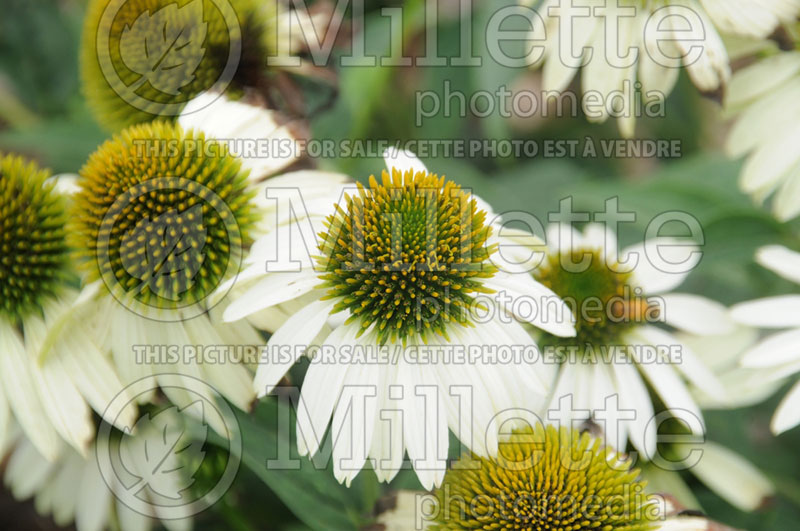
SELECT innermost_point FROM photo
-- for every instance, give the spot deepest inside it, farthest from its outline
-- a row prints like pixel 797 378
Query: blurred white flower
pixel 619 299
pixel 663 36
pixel 778 353
pixel 73 490
pixel 766 98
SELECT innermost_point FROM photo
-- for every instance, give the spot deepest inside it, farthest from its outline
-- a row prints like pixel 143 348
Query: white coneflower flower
pixel 401 263
pixel 159 222
pixel 73 489
pixel 48 379
pixel 617 299
pixel 779 352
pixel 543 478
pixel 661 35
pixel 766 97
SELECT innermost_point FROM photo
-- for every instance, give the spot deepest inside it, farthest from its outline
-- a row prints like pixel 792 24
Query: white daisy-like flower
pixel 778 353
pixel 73 490
pixel 766 98
pixel 663 35
pixel 49 380
pixel 401 264
pixel 618 300
pixel 159 221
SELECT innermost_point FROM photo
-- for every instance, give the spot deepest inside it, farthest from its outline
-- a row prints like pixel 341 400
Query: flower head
pixel 406 255
pixel 33 243
pixel 141 60
pixel 547 478
pixel 161 215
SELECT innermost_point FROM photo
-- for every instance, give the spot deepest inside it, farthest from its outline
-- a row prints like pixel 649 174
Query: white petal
pixel 226 375
pixel 684 360
pixel 770 163
pixel 273 289
pixel 298 331
pixel 672 390
pixel 354 423
pixel 27 470
pixel 771 312
pixel 562 237
pixel 320 392
pixel 633 395
pixel 547 312
pixel 696 314
pixel 775 350
pixel 20 389
pixel 402 160
pixel 94 376
pixel 787 416
pixel 780 260
pixel 661 263
pixel 732 477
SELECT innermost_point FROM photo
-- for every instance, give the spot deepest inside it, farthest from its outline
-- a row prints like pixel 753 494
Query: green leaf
pixel 312 494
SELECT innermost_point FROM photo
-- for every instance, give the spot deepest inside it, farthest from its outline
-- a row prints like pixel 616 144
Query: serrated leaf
pixel 163 453
pixel 166 252
pixel 165 47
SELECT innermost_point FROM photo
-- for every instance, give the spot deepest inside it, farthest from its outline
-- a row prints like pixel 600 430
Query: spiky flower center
pixel 144 58
pixel 162 215
pixel 602 299
pixel 33 250
pixel 544 478
pixel 406 255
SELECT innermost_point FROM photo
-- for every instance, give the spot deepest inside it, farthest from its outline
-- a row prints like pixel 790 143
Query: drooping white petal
pixel 27 470
pixel 780 260
pixel 684 360
pixel 354 421
pixel 94 501
pixel 273 289
pixel 770 312
pixel 634 396
pixel 732 477
pixel 20 388
pixel 93 375
pixel 298 331
pixel 321 388
pixel 669 387
pixel 787 416
pixel 545 309
pixel 696 314
pixel 229 377
pixel 776 350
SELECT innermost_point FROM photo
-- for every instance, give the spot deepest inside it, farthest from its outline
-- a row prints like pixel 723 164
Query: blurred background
pixel 43 115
